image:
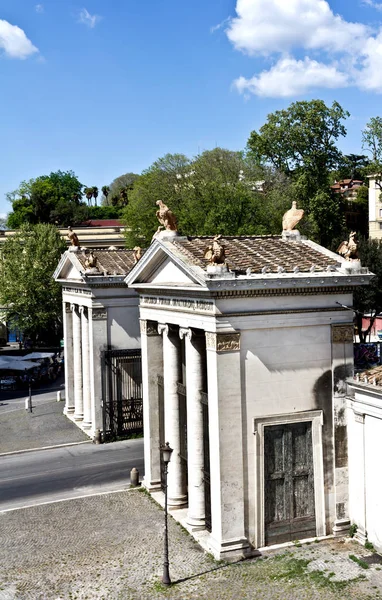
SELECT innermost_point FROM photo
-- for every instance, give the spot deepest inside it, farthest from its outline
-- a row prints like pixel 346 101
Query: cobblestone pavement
pixel 45 426
pixel 110 547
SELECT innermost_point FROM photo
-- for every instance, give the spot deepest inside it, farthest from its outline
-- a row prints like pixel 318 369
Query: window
pixel 380 212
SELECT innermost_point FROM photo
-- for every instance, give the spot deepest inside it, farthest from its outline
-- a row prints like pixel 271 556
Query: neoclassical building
pixel 99 313
pixel 244 366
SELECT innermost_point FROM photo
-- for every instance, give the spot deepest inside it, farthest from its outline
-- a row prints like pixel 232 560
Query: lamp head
pixel 166 452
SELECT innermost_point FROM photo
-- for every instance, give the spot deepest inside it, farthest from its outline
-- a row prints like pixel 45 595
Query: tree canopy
pixel 33 299
pixel 54 198
pixel 219 191
pixel 300 141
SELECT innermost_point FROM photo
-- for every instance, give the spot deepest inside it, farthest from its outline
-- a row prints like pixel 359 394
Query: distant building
pixel 348 189
pixel 95 233
pixel 375 208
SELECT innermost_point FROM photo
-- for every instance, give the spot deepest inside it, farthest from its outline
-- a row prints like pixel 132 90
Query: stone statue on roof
pixel 349 249
pixel 292 217
pixel 137 250
pixel 166 217
pixel 215 253
pixel 91 260
pixel 73 237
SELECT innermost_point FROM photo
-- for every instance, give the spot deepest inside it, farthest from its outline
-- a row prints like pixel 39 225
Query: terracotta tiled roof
pixel 257 252
pixel 110 262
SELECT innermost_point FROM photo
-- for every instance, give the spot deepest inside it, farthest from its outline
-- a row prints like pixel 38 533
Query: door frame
pixel 316 418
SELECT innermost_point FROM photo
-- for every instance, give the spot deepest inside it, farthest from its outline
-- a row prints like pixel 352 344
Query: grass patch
pixel 369 546
pixel 359 561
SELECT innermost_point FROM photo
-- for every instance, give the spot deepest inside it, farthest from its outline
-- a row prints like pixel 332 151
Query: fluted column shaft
pixel 86 391
pixel 195 456
pixel 77 364
pixel 172 372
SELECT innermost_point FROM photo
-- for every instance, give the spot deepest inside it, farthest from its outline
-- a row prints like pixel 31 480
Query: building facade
pixel 244 367
pixel 99 313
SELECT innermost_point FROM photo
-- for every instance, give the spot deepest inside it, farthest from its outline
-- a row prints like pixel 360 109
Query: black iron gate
pixel 122 393
pixel 206 472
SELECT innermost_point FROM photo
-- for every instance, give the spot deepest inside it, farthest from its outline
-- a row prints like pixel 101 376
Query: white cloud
pixel 290 77
pixel 14 42
pixel 219 25
pixel 87 19
pixel 376 5
pixel 342 53
pixel 267 26
pixel 39 8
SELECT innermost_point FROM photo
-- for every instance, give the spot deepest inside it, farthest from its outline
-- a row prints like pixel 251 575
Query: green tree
pixel 88 192
pixel 105 193
pixel 33 299
pixel 300 141
pixel 95 194
pixel 214 193
pixel 372 143
pixel 54 198
pixel 120 189
pixel 368 298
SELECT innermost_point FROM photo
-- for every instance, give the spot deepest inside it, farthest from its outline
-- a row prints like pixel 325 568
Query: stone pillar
pixel 68 358
pixel 228 538
pixel 153 412
pixel 98 336
pixel 87 422
pixel 342 368
pixel 177 496
pixel 195 457
pixel 77 364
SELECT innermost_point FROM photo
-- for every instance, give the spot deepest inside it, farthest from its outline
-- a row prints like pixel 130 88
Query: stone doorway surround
pixel 316 418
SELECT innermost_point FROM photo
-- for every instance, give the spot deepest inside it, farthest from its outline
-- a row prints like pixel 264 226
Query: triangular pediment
pixel 69 268
pixel 160 267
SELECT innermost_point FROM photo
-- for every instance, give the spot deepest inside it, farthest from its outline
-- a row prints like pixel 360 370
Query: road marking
pixel 46 448
pixel 68 499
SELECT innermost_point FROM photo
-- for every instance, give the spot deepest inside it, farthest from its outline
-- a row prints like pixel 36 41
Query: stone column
pixel 68 358
pixel 98 336
pixel 77 364
pixel 195 457
pixel 87 422
pixel 152 366
pixel 177 496
pixel 225 419
pixel 342 367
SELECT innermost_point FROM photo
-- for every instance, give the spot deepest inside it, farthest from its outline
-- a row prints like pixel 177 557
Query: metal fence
pixel 122 393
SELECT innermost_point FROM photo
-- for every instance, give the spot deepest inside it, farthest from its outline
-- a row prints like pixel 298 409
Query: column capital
pixel 186 332
pixel 74 307
pixel 163 328
pixel 83 310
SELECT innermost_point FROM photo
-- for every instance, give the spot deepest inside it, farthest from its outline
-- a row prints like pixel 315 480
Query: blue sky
pixel 107 86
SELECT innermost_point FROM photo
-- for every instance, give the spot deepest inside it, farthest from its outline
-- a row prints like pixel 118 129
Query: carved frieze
pixel 99 314
pixel 185 304
pixel 149 328
pixel 223 342
pixel 342 334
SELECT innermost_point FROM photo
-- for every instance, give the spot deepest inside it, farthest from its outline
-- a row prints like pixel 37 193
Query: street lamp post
pixel 166 456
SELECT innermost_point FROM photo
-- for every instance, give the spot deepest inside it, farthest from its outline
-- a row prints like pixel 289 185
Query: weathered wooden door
pixel 289 483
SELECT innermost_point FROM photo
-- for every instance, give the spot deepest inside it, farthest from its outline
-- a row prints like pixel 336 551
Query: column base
pixel 151 486
pixel 78 417
pixel 231 550
pixel 195 524
pixel 177 501
pixel 69 410
pixel 86 425
pixel 341 528
pixel 360 536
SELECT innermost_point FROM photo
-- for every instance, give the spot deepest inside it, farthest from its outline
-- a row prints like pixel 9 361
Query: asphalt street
pixel 43 476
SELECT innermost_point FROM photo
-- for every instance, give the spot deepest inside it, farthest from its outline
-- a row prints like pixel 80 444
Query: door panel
pixel 289 483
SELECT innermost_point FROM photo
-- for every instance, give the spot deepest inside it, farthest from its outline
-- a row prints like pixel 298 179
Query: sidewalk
pixel 110 547
pixel 45 426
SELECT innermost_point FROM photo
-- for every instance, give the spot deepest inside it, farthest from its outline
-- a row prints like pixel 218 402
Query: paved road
pixel 11 400
pixel 42 476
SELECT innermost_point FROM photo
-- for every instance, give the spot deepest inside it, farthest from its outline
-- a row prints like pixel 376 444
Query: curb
pixel 45 448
